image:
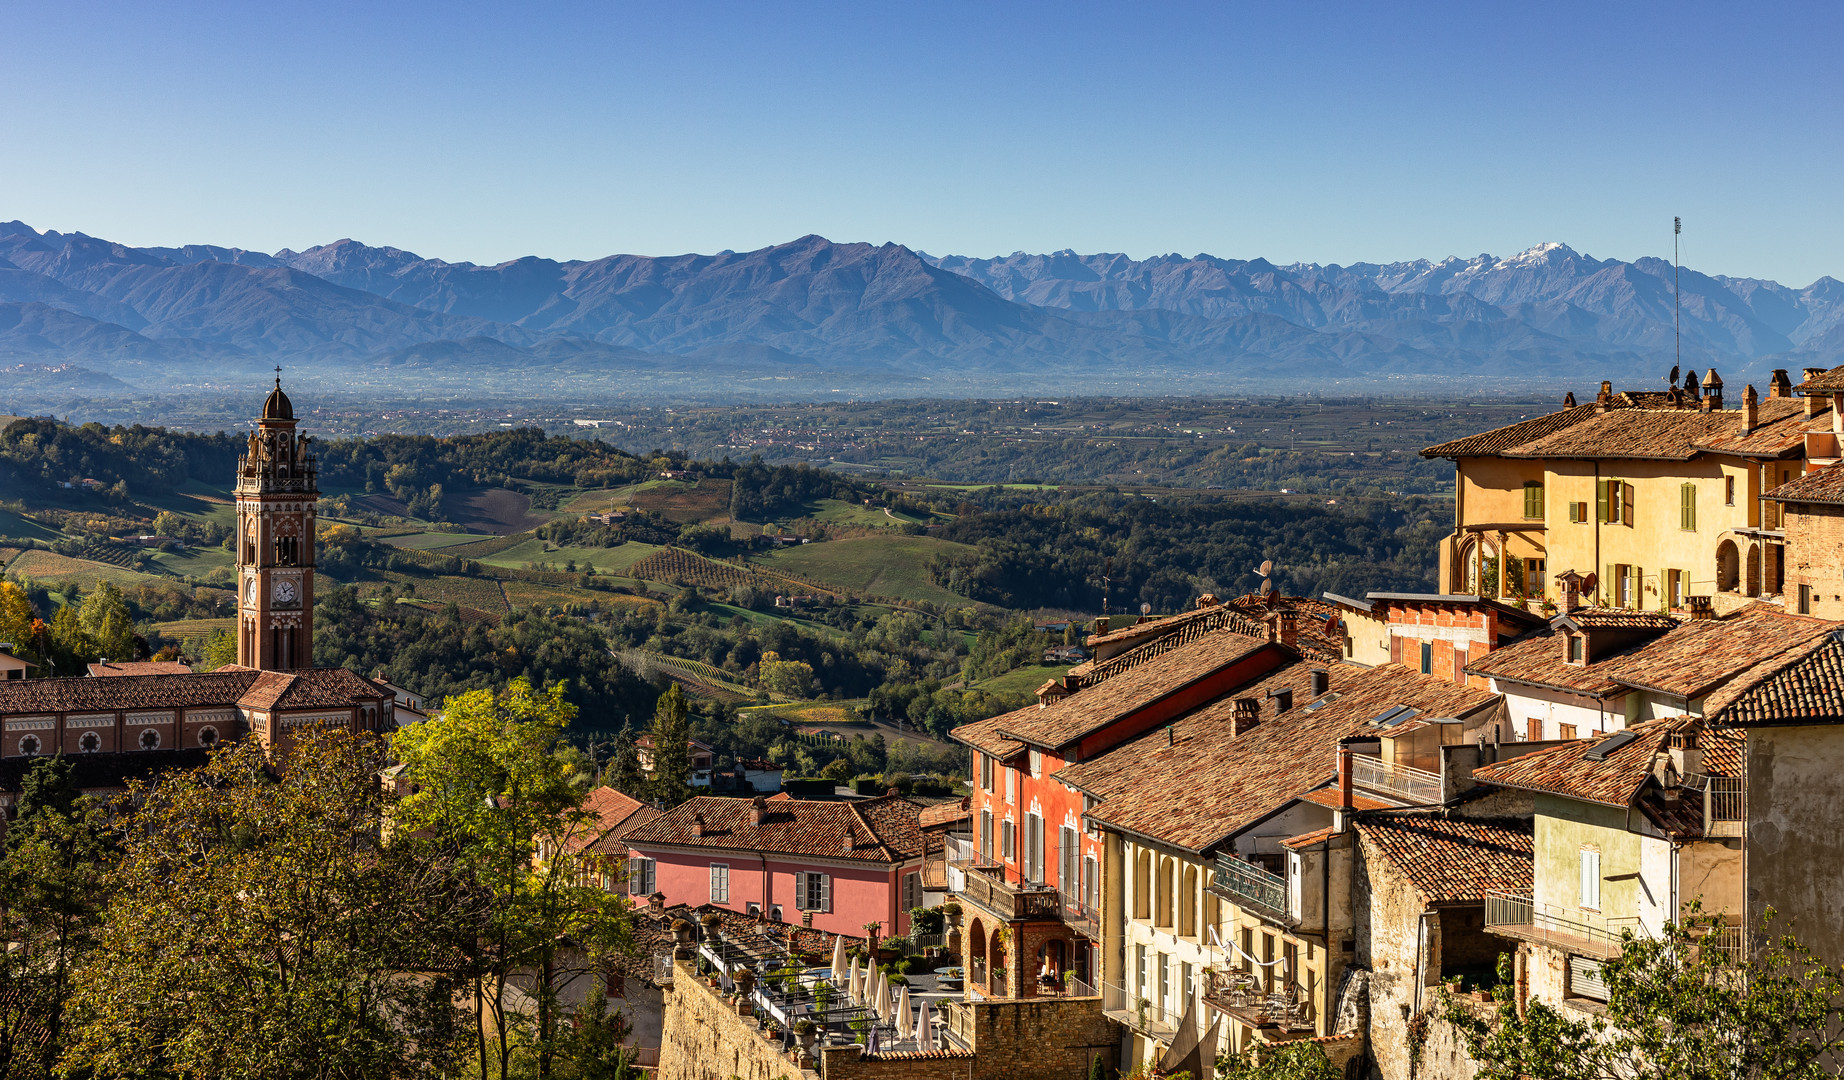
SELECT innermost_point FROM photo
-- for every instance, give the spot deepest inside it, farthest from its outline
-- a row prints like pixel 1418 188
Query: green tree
pixel 1682 1006
pixel 106 622
pixel 257 927
pixel 220 649
pixel 593 1046
pixel 624 773
pixel 52 881
pixel 671 733
pixel 489 785
pixel 1302 1060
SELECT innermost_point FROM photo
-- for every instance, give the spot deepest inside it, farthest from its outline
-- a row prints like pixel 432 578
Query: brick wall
pixel 1040 1038
pixel 1815 558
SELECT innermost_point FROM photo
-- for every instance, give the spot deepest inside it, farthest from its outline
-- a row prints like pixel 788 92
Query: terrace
pixel 1251 887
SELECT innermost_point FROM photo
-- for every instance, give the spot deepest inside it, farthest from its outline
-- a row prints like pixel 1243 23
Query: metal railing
pixel 1521 916
pixel 1249 885
pixel 1140 1013
pixel 1415 785
pixel 1082 916
pixel 976 971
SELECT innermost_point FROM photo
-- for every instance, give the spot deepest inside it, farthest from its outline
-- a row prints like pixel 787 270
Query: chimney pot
pixel 758 809
pixel 697 824
pixel 1779 385
pixel 1101 625
pixel 851 839
pixel 1751 414
pixel 1321 682
pixel 1712 391
pixel 1247 715
pixel 1283 699
pixel 1344 777
pixel 1289 622
pixel 1568 400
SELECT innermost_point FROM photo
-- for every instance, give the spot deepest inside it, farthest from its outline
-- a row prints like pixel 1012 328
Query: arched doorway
pixel 976 954
pixel 1728 567
pixel 997 976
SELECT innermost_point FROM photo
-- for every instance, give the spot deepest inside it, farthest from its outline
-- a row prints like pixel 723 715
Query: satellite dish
pixel 1146 609
pixel 1588 583
pixel 1267 586
pixel 1266 567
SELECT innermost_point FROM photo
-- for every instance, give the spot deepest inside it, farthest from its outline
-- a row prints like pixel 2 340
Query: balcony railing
pixel 1416 785
pixel 1247 996
pixel 957 1023
pixel 976 971
pixel 1082 916
pixel 1139 1013
pixel 1012 902
pixel 1248 885
pixel 1521 917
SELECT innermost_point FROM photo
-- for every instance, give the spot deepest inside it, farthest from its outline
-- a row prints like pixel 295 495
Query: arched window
pixel 150 739
pixel 1162 900
pixel 1187 902
pixel 1142 886
pixel 90 742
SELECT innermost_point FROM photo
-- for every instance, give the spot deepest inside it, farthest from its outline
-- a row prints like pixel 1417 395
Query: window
pixel 1139 952
pixel 1578 513
pixel 1034 847
pixel 1534 580
pixel 912 891
pixel 1535 731
pixel 1006 835
pixel 1805 599
pixel 150 739
pixel 1565 731
pixel 1067 851
pixel 1614 502
pixel 986 833
pixel 1165 981
pixel 1687 507
pixel 774 912
pixel 91 742
pixel 720 883
pixel 1586 980
pixel 1674 588
pixel 640 877
pixel 1728 491
pixel 1187 985
pixel 812 892
pixel 1011 785
pixel 1533 500
pixel 29 745
pixel 1591 878
pixel 986 771
pixel 1427 658
pixel 1036 760
pixel 753 908
pixel 1576 648
pixel 208 737
pixel 1091 882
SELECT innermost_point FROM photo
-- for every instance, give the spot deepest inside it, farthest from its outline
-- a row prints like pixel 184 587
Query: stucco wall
pixel 860 894
pixel 1563 828
pixel 1554 708
pixel 1795 836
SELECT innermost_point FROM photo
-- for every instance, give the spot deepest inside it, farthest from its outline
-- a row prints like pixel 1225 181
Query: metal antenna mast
pixel 1677 318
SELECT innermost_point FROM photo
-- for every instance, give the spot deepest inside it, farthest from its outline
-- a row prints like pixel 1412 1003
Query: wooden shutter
pixel 1533 500
pixel 1687 507
pixel 1603 501
pixel 1639 587
pixel 800 890
pixel 1626 504
pixel 825 892
pixel 1459 666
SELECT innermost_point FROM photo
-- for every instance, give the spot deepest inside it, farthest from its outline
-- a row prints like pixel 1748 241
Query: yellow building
pixel 1657 495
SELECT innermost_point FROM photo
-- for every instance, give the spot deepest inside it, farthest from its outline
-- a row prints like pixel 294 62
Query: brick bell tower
pixel 276 493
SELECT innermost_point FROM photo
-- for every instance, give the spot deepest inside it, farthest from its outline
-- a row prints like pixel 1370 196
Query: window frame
pixel 720 883
pixel 1589 899
pixel 640 875
pixel 1533 500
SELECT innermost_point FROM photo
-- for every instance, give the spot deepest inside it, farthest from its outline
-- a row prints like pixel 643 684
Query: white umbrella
pixel 904 1020
pixel 838 959
pixel 854 990
pixel 882 1001
pixel 925 1032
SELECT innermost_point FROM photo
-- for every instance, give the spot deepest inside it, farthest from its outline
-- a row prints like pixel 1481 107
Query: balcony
pixel 1585 932
pixel 1245 996
pixel 1724 805
pixel 1012 902
pixel 1250 887
pixel 1417 786
pixel 1138 1013
pixel 1081 917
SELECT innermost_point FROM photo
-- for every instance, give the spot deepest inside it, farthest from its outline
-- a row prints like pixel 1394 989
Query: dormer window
pixel 1577 648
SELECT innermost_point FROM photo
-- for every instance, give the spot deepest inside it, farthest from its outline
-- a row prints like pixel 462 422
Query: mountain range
pixel 884 315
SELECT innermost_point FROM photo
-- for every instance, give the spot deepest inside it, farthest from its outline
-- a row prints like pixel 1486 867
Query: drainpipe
pixel 1596 568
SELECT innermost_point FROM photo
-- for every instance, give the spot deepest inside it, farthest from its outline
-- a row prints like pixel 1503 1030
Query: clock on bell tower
pixel 276 493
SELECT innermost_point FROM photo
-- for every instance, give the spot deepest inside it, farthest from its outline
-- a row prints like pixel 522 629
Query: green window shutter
pixel 1626 504
pixel 1688 510
pixel 1610 587
pixel 1533 500
pixel 1603 505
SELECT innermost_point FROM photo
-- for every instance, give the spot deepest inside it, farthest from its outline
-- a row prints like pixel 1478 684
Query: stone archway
pixel 998 957
pixel 1728 567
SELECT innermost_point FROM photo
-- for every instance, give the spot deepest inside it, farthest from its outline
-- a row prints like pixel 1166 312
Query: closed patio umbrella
pixel 838 960
pixel 904 1020
pixel 925 1028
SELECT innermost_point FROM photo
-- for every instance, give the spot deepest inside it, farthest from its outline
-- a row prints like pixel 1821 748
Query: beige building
pixel 1657 496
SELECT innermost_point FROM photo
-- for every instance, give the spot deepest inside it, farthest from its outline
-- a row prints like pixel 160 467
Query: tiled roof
pixel 615 815
pixel 1452 859
pixel 1699 656
pixel 882 830
pixel 1800 686
pixel 1647 434
pixel 945 814
pixel 1592 618
pixel 310 688
pixel 1537 660
pixel 125 692
pixel 1614 778
pixel 140 667
pixel 1308 839
pixel 1330 797
pixel 1780 426
pixel 1831 381
pixel 1210 783
pixel 1095 707
pixel 1501 439
pixel 1824 485
pixel 1158 627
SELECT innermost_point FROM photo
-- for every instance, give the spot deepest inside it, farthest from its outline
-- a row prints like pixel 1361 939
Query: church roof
pixel 278 407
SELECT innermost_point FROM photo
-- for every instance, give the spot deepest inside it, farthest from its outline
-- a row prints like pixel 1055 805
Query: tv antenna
pixel 1107 576
pixel 1677 317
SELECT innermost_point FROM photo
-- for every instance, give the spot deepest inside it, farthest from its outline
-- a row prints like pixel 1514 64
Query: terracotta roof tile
pixel 1800 686
pixel 1824 485
pixel 1592 618
pixel 1780 426
pixel 140 667
pixel 1451 859
pixel 1501 439
pixel 1329 796
pixel 615 816
pixel 1647 434
pixel 880 830
pixel 1831 381
pixel 310 688
pixel 124 692
pixel 1095 707
pixel 942 815
pixel 1699 656
pixel 1209 783
pixel 1616 775
pixel 1537 660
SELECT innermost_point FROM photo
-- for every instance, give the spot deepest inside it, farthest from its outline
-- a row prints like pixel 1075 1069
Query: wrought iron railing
pixel 1415 785
pixel 1249 885
pixel 1140 1013
pixel 1521 916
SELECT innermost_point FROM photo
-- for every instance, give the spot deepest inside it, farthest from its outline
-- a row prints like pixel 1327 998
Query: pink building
pixel 843 864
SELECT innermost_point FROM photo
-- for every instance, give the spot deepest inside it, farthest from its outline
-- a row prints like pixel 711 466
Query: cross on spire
pixel 278 376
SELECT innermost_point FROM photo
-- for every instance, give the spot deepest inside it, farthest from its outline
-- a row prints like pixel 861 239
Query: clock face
pixel 249 593
pixel 284 592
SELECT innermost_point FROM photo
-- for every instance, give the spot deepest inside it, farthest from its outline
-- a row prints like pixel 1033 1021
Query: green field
pixel 839 512
pixel 433 541
pixel 612 560
pixel 1023 681
pixel 194 561
pixel 12 525
pixel 880 565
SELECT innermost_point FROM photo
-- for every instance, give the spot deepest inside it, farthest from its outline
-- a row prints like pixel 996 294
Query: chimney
pixel 1320 681
pixel 1208 600
pixel 1248 714
pixel 1568 400
pixel 851 839
pixel 1686 753
pixel 1289 621
pixel 1690 384
pixel 1712 391
pixel 758 809
pixel 697 824
pixel 1701 608
pixel 656 902
pixel 1779 385
pixel 1101 624
pixel 1605 398
pixel 1283 699
pixel 1751 410
pixel 1571 592
pixel 1344 777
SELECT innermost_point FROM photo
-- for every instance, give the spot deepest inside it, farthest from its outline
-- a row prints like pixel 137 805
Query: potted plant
pixel 681 931
pixel 806 1031
pixel 745 980
pixel 711 922
pixel 952 910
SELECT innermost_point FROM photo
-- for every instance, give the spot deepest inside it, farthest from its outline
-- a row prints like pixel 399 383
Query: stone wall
pixel 1040 1038
pixel 703 1038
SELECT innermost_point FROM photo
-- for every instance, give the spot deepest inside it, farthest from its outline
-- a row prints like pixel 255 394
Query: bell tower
pixel 276 493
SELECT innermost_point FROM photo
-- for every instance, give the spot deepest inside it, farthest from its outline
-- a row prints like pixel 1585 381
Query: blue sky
pixel 1332 132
